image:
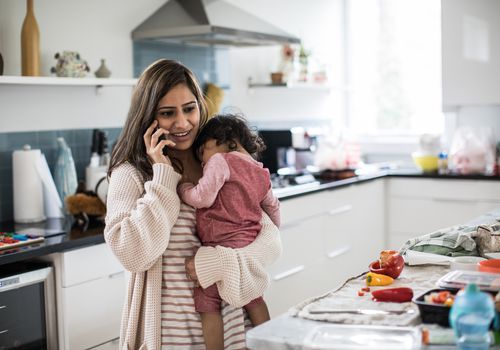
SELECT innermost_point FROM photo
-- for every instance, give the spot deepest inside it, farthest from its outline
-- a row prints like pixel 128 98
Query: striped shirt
pixel 180 323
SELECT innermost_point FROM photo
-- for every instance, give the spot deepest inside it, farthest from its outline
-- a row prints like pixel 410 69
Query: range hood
pixel 209 22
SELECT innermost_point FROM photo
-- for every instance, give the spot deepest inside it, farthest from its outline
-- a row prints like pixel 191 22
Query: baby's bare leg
pixel 258 313
pixel 213 330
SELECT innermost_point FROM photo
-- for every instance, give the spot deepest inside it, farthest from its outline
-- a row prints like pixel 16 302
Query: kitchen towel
pixel 27 186
pixel 35 193
pixel 420 279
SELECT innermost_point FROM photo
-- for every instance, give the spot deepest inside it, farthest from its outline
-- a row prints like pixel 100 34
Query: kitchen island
pixel 295 333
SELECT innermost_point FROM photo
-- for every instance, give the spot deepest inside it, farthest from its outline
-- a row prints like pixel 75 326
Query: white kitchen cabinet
pixel 354 229
pixel 324 236
pixel 90 289
pixel 419 206
pixel 470 45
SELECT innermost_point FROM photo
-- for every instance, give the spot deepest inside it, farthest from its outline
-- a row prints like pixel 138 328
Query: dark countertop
pixel 299 190
pixel 63 237
pixel 60 237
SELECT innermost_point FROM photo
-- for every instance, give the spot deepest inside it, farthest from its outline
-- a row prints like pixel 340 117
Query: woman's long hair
pixel 153 84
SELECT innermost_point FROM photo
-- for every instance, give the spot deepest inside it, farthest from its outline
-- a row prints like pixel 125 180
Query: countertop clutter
pixel 59 235
pixel 300 327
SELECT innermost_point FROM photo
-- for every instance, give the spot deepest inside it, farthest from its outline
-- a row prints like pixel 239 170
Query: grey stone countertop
pixel 288 332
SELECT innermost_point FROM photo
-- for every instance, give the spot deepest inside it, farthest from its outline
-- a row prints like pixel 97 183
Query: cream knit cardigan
pixel 139 219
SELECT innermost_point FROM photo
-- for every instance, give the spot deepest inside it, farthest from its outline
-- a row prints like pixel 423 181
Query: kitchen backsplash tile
pixel 79 140
pixel 202 60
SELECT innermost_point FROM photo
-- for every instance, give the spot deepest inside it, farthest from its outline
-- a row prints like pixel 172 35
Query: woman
pixel 152 233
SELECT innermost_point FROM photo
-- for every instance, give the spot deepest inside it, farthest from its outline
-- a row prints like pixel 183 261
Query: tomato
pixel 440 297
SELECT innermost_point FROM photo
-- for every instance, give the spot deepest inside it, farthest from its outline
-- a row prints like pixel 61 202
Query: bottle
pixel 470 318
pixel 65 172
pixel 30 43
pixel 103 149
pixel 443 163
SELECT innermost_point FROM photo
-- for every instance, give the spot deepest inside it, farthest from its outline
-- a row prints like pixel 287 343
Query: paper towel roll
pixel 28 189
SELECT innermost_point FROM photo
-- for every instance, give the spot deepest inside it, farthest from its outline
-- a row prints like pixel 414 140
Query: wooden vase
pixel 30 43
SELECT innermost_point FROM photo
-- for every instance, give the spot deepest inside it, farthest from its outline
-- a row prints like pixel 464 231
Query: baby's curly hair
pixel 230 129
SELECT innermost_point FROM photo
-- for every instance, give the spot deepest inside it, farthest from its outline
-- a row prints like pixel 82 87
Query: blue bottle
pixel 65 172
pixel 470 318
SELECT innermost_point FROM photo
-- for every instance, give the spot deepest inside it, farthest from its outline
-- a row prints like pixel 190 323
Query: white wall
pixel 97 29
pixel 101 29
pixel 318 24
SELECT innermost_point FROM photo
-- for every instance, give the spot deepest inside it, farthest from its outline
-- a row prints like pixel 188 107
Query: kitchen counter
pixel 60 236
pixel 288 332
pixel 322 185
pixel 72 238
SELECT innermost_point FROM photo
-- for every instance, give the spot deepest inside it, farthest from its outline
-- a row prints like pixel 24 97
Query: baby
pixel 229 198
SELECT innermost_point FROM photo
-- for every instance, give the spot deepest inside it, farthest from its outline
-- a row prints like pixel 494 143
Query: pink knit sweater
pixel 140 219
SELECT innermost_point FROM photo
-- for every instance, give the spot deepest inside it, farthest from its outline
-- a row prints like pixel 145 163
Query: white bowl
pixel 468 263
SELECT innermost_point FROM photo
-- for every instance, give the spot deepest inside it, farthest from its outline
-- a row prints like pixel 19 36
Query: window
pixel 393 59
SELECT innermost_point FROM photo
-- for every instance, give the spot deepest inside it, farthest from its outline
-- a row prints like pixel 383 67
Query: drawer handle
pixel 3 307
pixel 117 274
pixel 460 200
pixel 4 331
pixel 339 251
pixel 289 273
pixel 340 210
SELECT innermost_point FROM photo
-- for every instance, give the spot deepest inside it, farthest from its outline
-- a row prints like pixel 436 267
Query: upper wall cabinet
pixel 470 52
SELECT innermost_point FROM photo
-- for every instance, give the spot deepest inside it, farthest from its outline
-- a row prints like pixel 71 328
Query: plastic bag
pixel 337 153
pixel 472 151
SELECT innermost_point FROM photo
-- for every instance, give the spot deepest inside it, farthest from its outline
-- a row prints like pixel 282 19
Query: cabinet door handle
pixel 289 272
pixel 340 210
pixel 117 274
pixel 4 331
pixel 459 200
pixel 339 251
pixel 3 307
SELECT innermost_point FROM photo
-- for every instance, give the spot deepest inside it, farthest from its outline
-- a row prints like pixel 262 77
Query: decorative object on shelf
pixel 65 171
pixel 30 43
pixel 69 64
pixel 102 71
pixel 1 64
pixel 277 78
pixel 304 63
pixel 286 66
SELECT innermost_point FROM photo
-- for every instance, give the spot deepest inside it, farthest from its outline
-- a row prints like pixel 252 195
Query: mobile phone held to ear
pixel 161 138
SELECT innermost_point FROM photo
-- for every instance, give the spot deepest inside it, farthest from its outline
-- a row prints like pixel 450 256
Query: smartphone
pixel 161 138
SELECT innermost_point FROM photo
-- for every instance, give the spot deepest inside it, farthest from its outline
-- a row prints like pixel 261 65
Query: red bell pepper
pixel 396 295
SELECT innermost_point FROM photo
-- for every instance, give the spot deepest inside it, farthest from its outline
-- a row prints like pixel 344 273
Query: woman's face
pixel 178 113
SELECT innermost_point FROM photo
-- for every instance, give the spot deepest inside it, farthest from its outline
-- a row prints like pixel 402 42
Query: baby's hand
pixel 191 270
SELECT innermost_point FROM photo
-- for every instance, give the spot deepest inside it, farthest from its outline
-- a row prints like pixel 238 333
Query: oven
pixel 27 307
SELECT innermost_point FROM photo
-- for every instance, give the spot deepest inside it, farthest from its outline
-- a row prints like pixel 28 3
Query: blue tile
pixel 47 139
pixel 17 140
pixel 3 141
pixel 5 159
pixel 84 137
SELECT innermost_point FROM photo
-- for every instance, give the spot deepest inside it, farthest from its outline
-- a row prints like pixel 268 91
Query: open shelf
pixel 299 85
pixel 22 80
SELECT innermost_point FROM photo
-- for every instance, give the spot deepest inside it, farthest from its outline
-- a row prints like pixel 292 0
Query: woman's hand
pixel 191 270
pixel 154 146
